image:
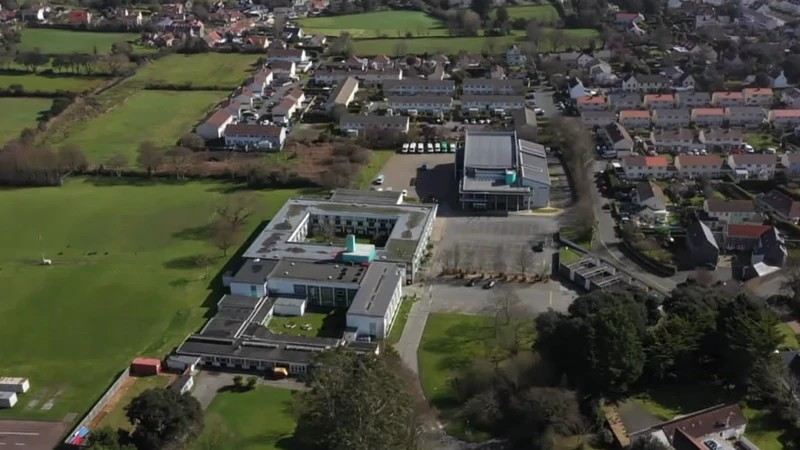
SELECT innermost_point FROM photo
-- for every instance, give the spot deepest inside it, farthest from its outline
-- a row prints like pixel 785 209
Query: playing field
pixel 453 45
pixel 158 116
pixel 260 419
pixel 205 69
pixel 124 282
pixel 543 13
pixel 391 24
pixel 31 82
pixel 65 41
pixel 20 113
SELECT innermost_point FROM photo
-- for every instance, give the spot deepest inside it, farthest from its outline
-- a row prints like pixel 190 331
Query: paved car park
pixel 536 298
pixel 30 434
pixel 403 172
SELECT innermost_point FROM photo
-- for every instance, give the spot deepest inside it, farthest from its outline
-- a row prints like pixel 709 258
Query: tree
pixel 557 38
pixel 534 32
pixel 163 418
pixel 150 157
pixel 193 141
pixel 236 208
pixel 648 443
pixel 615 354
pixel 481 7
pixel 238 380
pixel 502 16
pixel 117 164
pixel 342 45
pixel 355 402
pixel 200 11
pixel 224 235
pixel 71 159
pixel 32 60
pixel 278 26
pixel 470 22
pixel 524 259
pixel 181 159
pixel 121 48
pixel 115 63
pixel 251 382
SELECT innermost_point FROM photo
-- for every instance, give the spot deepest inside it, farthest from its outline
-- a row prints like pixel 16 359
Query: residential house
pixel 381 62
pixel 295 55
pixel 651 202
pixel 79 18
pixel 34 12
pixel 278 43
pixel 318 40
pixel 131 18
pixel 673 72
pixel 353 62
pixel 244 98
pixel 214 126
pixel 791 97
pixel 708 117
pixel 692 99
pixel 492 102
pixel 413 104
pixel 625 100
pixel 262 137
pixel 770 251
pixel 680 140
pixel 361 124
pixel 497 72
pixel 283 111
pixel 659 101
pixel 515 56
pixel 411 86
pixel 698 166
pixel 779 204
pixel 711 20
pixel 591 103
pixel 727 98
pixel 576 88
pixel 638 167
pixel 722 423
pixel 616 136
pixel 702 246
pixel 672 118
pixel 784 118
pixel 260 81
pixel 791 163
pixel 742 237
pixel 757 96
pixel 601 73
pixel 720 213
pixel 635 119
pixel 745 116
pixel 645 83
pixel 255 42
pixel 283 69
pixel 753 165
pixel 721 138
pixel 366 77
pixel 598 118
pixel 760 21
pixel 344 93
pixel 214 38
pixel 626 18
pixel 685 82
pixel 484 86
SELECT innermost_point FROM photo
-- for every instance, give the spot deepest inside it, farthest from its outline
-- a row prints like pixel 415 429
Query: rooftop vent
pixel 257 260
pixel 286 273
pixel 291 264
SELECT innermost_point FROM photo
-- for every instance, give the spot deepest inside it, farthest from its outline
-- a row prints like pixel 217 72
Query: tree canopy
pixel 163 419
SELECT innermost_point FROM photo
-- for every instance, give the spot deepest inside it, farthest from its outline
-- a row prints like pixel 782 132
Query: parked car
pixel 538 247
pixel 490 284
pixel 424 166
pixel 472 283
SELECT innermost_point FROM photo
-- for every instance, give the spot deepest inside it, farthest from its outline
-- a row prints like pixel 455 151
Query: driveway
pixel 207 383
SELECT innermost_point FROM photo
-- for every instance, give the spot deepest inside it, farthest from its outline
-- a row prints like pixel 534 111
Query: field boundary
pixel 100 405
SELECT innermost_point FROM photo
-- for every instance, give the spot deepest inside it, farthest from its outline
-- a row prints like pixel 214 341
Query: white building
pixel 251 279
pixel 485 86
pixel 14 384
pixel 745 116
pixel 753 165
pixel 214 126
pixel 377 302
pixel 286 306
pixel 638 167
pixel 698 166
pixel 500 103
pixel 413 104
pixel 410 86
pixel 360 124
pixel 645 83
pixel 672 118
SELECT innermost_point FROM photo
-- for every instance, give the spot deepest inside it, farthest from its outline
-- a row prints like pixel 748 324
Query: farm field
pixel 454 45
pixel 65 41
pixel 46 83
pixel 391 24
pixel 159 116
pixel 544 13
pixel 124 282
pixel 206 69
pixel 260 419
pixel 25 113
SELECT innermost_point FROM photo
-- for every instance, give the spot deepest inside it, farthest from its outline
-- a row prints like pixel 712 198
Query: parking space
pixel 403 172
pixel 30 434
pixel 534 298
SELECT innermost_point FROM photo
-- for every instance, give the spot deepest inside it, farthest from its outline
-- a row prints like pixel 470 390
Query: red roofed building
pixel 639 167
pixel 634 118
pixel 214 126
pixel 708 117
pixel 659 101
pixel 697 166
pixel 626 18
pixel 784 117
pixel 727 98
pixel 591 103
pixel 758 96
pixel 79 18
pixel 256 42
pixel 743 236
pixel 145 366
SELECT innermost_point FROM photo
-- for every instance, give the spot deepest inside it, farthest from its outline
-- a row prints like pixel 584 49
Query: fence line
pixel 101 403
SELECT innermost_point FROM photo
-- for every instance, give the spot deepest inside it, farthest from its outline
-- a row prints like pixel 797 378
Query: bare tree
pixel 534 32
pixel 556 38
pixel 524 259
pixel 401 48
pixel 149 157
pixel 278 26
pixel 224 235
pixel 71 159
pixel 117 164
pixel 237 208
pixel 499 260
pixel 181 160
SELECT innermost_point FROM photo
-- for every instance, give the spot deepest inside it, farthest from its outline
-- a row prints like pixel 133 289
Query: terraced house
pixel 680 140
pixel 722 139
pixel 413 104
pixel 359 124
pixel 672 118
pixel 727 98
pixel 758 166
pixel 745 116
pixel 698 166
pixel 418 87
pixel 692 99
pixel 758 96
pixel 624 100
pixel 496 103
pixel 598 118
pixel 659 101
pixel 485 86
pixel 635 119
pixel 708 117
pixel 591 103
pixel 645 83
pixel 784 118
pixel 721 213
pixel 638 167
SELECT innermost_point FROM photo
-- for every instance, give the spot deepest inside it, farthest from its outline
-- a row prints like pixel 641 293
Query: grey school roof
pixel 487 153
pixel 376 291
pixel 533 159
pixel 275 240
pixel 372 197
pixel 299 269
pixel 490 150
pixel 254 271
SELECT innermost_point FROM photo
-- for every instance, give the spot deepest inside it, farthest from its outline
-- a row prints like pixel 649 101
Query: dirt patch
pixel 109 406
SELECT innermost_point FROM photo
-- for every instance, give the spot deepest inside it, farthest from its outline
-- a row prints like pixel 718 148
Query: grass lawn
pixel 49 40
pixel 669 402
pixel 159 116
pixel 373 168
pixel 453 45
pixel 20 113
pixel 206 69
pixel 124 281
pixel 567 255
pixel 50 83
pixel 392 24
pixel 400 320
pixel 790 341
pixel 544 13
pixel 323 323
pixel 760 140
pixel 116 418
pixel 260 419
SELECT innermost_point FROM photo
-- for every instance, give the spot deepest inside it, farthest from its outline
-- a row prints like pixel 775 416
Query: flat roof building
pixel 498 171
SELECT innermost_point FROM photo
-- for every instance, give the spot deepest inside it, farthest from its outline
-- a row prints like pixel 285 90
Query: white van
pixel 379 179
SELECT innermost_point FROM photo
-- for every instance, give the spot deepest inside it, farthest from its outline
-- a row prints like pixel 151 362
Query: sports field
pixel 159 116
pixel 49 40
pixel 18 114
pixel 205 69
pixel 124 282
pixel 260 419
pixel 545 14
pixel 34 82
pixel 391 24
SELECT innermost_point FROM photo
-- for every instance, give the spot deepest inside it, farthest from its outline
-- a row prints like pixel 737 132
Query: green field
pixel 32 82
pixel 116 418
pixel 260 419
pixel 453 45
pixel 206 69
pixel 390 24
pixel 125 281
pixel 544 13
pixel 20 113
pixel 159 116
pixel 49 40
pixel 400 321
pixel 376 163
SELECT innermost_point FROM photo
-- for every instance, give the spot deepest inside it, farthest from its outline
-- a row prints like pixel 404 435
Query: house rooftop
pixel 344 90
pixel 414 82
pixel 747 230
pixel 634 114
pixel 708 111
pixel 722 95
pixel 785 113
pixel 491 98
pixel 591 99
pixel 421 99
pixel 781 202
pixel 645 161
pixel 252 129
pixel 759 159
